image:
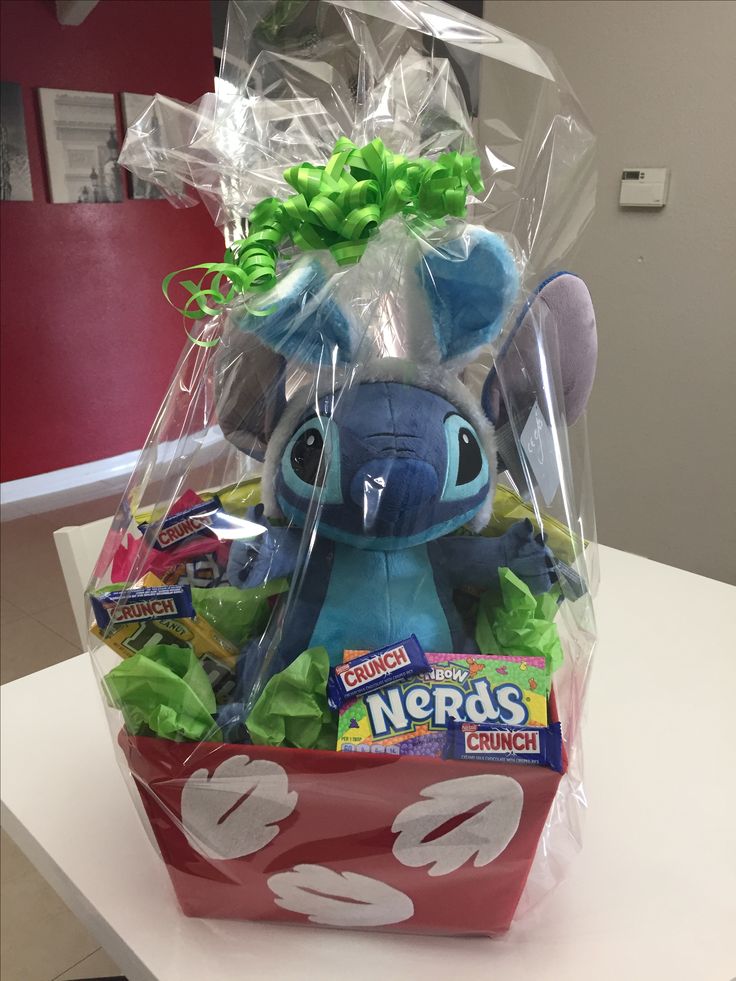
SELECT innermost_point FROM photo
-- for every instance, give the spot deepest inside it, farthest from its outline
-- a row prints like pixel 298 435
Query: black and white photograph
pixel 134 105
pixel 82 146
pixel 15 171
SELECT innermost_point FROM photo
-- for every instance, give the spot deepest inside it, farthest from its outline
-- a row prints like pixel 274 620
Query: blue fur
pixel 470 287
pixel 389 584
pixel 299 320
pixel 362 598
pixel 380 561
pixel 393 465
pixel 376 575
pixel 377 544
pixel 269 556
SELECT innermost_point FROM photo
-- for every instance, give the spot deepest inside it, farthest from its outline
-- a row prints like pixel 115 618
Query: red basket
pixel 342 839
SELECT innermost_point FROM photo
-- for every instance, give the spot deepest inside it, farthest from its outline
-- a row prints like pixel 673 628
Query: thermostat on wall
pixel 644 188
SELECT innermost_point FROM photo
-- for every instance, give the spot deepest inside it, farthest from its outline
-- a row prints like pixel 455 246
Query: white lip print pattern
pixel 343 899
pixel 483 835
pixel 234 812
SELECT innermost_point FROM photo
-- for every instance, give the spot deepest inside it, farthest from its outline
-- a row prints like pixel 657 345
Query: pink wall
pixel 89 342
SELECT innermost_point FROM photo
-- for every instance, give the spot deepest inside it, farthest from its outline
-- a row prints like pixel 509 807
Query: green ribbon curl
pixel 337 207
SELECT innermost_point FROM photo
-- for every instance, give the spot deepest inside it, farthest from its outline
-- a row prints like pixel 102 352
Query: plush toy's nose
pixel 385 489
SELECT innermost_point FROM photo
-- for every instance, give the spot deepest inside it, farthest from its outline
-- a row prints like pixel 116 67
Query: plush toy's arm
pixel 475 560
pixel 272 555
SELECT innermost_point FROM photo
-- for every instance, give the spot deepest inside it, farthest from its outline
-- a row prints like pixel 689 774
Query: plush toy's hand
pixel 254 561
pixel 571 582
pixel 241 565
pixel 528 557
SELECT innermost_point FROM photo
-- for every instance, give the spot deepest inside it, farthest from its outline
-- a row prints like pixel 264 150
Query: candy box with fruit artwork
pixel 372 422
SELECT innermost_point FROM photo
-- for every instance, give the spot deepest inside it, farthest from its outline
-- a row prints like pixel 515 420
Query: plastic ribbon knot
pixel 337 207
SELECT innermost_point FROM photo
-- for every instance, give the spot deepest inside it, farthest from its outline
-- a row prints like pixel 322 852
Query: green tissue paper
pixel 292 709
pixel 237 614
pixel 164 689
pixel 518 623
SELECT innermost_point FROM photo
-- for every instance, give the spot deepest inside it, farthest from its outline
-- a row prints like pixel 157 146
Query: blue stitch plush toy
pixel 378 468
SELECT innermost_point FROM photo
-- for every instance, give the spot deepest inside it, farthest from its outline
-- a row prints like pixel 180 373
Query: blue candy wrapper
pixel 368 672
pixel 205 519
pixel 193 521
pixel 143 603
pixel 492 743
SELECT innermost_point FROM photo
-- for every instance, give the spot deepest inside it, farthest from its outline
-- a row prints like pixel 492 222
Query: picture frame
pixel 134 105
pixel 15 168
pixel 82 146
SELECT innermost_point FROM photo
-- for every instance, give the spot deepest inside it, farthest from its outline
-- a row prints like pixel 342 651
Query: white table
pixel 652 895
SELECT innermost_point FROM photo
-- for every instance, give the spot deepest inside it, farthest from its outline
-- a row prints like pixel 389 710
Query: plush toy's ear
pixel 250 391
pixel 470 284
pixel 558 320
pixel 298 318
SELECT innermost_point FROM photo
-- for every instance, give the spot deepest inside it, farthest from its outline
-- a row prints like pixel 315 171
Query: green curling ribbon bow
pixel 338 207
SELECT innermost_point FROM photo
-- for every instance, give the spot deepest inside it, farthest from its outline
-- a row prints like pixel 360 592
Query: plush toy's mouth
pixel 406 531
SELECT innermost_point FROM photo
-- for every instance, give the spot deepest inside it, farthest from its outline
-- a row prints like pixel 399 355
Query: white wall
pixel 657 81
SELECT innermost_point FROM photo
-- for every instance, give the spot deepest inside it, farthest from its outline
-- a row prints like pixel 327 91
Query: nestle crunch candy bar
pixel 142 603
pixel 368 672
pixel 413 714
pixel 505 744
pixel 192 521
pixel 154 614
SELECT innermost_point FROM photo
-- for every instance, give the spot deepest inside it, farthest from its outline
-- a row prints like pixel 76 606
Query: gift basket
pixel 342 621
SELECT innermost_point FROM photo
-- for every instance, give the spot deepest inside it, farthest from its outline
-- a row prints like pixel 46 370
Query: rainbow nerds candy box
pixel 410 717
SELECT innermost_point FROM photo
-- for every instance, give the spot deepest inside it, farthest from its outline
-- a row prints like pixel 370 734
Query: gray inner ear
pixel 561 316
pixel 562 312
pixel 249 391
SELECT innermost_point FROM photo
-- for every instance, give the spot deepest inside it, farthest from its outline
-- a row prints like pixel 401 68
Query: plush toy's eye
pixel 306 455
pixel 470 458
pixel 312 459
pixel 467 465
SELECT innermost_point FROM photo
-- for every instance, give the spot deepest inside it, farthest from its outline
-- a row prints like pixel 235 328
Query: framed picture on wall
pixel 82 146
pixel 134 106
pixel 15 169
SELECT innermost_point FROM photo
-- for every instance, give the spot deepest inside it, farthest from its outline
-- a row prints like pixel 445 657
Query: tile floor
pixel 40 939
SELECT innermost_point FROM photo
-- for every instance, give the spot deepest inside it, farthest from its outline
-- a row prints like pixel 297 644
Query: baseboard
pixel 112 468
